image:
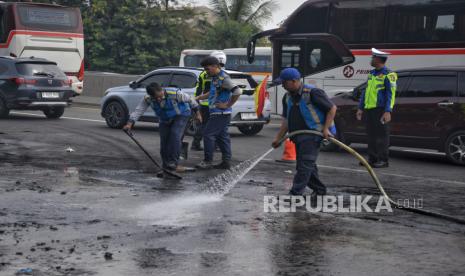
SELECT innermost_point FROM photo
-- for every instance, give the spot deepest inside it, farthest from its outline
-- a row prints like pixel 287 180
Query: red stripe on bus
pixel 37 33
pixel 405 52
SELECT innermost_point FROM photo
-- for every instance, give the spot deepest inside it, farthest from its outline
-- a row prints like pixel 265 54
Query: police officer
pixel 222 96
pixel 376 104
pixel 203 86
pixel 173 108
pixel 305 108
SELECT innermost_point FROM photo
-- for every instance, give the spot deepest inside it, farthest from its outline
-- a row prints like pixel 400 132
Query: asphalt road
pixel 100 210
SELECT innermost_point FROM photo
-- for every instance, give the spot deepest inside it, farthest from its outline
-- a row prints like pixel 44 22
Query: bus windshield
pixel 240 63
pixel 193 60
pixel 48 18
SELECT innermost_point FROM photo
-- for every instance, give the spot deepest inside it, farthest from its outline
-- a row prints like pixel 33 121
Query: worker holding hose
pixel 305 108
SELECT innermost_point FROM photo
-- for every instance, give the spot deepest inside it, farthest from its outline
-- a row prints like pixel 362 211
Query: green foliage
pixel 238 20
pixel 228 34
pixel 136 36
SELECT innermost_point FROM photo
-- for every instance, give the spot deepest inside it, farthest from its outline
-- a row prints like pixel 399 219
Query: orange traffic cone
pixel 289 155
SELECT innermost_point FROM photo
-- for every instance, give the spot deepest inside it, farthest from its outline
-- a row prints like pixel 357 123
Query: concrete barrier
pixel 96 83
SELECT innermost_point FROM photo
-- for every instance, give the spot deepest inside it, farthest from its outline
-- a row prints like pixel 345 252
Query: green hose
pixel 374 177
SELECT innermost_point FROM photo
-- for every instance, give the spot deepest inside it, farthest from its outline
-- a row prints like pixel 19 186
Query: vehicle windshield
pixel 49 18
pixel 240 63
pixel 193 60
pixel 40 69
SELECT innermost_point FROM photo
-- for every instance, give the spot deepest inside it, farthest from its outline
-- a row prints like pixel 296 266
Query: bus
pixel 236 60
pixel 417 33
pixel 47 31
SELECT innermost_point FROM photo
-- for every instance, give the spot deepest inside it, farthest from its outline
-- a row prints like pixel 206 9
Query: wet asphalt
pixel 78 198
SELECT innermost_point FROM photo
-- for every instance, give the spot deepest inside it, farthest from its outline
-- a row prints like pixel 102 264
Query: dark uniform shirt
pixel 297 122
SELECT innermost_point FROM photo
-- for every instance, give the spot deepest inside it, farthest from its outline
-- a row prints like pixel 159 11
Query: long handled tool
pixel 131 135
pixel 375 178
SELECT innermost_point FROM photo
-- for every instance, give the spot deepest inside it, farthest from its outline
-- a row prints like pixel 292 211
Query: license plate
pixel 249 116
pixel 50 95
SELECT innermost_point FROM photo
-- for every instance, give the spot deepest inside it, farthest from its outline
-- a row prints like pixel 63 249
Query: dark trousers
pixel 171 134
pixel 307 149
pixel 378 135
pixel 205 112
pixel 216 131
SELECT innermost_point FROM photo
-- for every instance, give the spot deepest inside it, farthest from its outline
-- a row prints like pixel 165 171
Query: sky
pixel 286 7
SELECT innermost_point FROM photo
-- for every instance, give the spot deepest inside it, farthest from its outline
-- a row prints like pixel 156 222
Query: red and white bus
pixel 418 33
pixel 47 31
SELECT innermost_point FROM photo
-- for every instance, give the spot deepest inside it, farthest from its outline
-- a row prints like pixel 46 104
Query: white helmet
pixel 220 55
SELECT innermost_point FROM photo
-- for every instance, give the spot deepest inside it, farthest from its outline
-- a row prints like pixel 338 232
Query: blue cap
pixel 288 74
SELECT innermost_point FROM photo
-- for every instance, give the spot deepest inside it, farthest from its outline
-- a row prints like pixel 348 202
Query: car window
pixel 183 81
pixel 162 79
pixel 462 85
pixel 39 69
pixel 3 68
pixel 401 85
pixel 431 86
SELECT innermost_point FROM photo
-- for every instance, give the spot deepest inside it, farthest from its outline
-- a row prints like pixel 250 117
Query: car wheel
pixel 115 114
pixel 250 130
pixel 455 147
pixel 191 127
pixel 54 112
pixel 4 111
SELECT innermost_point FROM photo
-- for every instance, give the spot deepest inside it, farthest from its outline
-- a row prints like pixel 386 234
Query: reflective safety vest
pixel 314 118
pixel 380 90
pixel 218 94
pixel 204 85
pixel 169 107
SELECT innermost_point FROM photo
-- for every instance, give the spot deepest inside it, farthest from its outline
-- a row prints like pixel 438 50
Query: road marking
pixel 87 108
pixel 64 117
pixel 396 175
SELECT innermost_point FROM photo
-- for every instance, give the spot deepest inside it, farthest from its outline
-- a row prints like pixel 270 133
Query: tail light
pixel 21 81
pixel 80 75
pixel 68 82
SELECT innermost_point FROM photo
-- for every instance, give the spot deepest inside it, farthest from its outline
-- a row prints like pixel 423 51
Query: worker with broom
pixel 173 109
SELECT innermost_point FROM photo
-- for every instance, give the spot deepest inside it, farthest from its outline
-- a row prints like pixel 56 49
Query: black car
pixel 429 112
pixel 33 84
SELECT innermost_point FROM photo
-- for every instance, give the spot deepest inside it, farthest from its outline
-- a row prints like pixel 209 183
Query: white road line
pixel 64 117
pixel 87 108
pixel 396 175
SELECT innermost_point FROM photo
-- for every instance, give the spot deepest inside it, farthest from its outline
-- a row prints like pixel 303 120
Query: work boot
pixel 196 146
pixel 314 198
pixel 224 165
pixel 184 151
pixel 380 164
pixel 204 165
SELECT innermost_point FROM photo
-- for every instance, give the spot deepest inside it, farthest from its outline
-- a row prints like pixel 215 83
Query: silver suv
pixel 118 102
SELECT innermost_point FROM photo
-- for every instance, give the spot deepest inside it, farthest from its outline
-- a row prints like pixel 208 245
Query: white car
pixel 118 102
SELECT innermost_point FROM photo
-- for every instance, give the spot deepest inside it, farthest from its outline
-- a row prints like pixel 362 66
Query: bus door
pixel 310 54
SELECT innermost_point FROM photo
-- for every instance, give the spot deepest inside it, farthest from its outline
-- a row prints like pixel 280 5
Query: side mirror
pixel 133 84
